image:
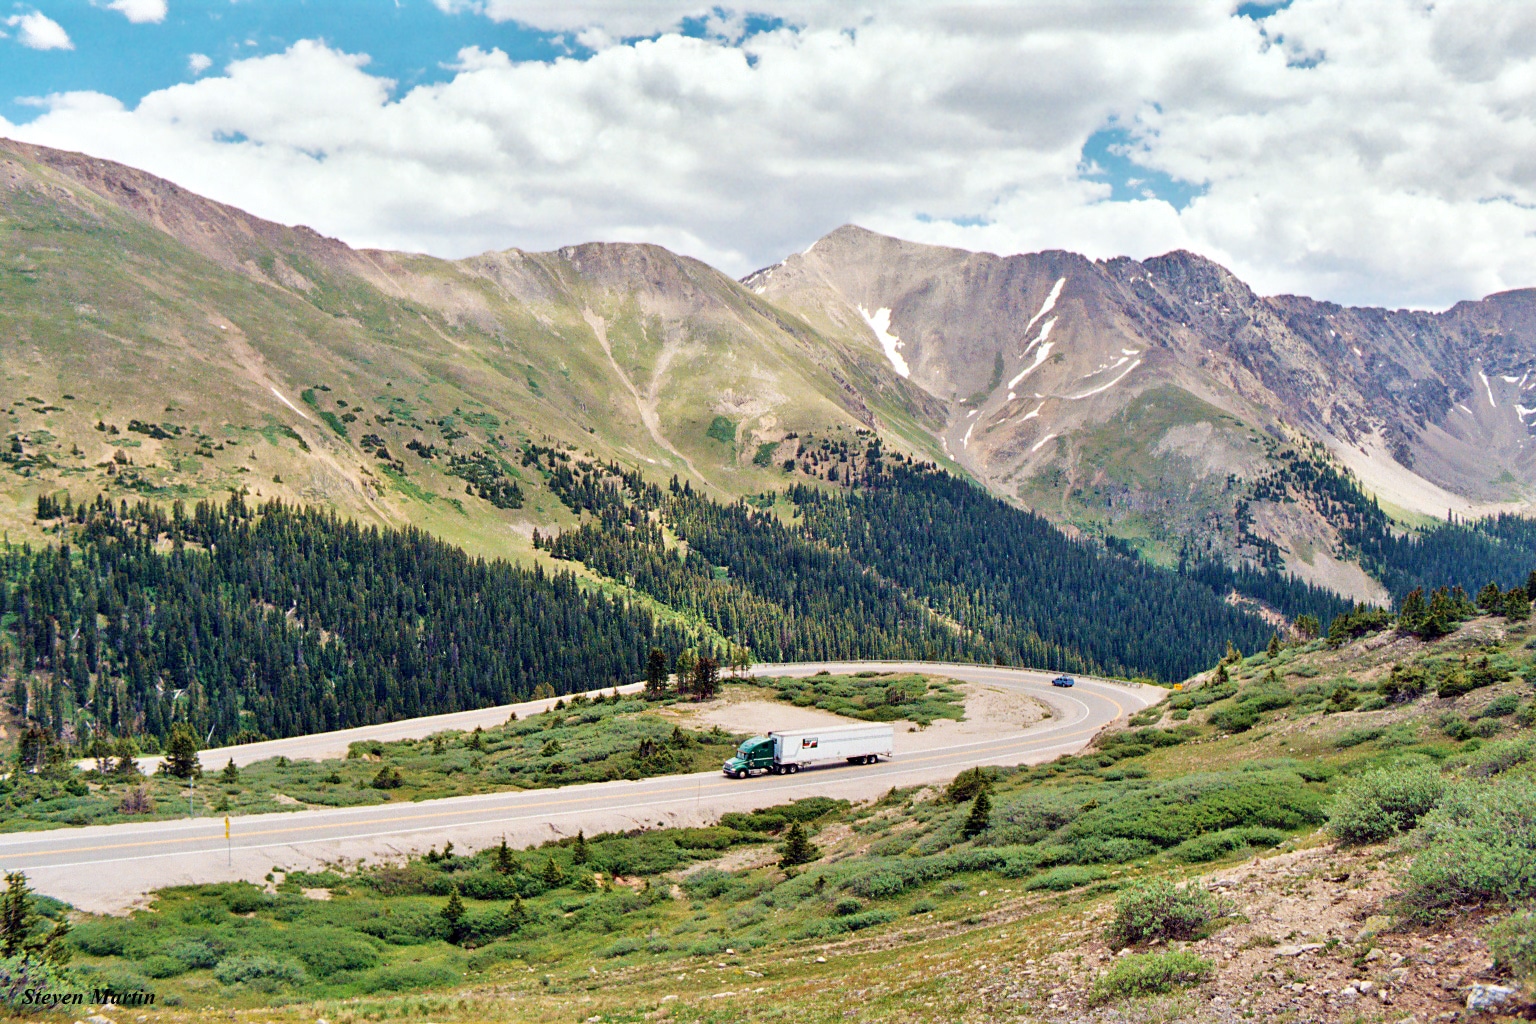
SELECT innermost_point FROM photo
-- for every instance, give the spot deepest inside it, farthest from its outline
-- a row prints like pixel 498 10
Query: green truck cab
pixel 756 754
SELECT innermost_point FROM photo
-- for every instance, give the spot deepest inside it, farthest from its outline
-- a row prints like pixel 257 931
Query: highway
pixel 109 868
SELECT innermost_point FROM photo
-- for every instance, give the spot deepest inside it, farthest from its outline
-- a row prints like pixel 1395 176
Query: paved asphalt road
pixel 111 867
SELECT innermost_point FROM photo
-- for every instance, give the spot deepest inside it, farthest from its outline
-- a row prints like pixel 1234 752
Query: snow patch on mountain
pixel 1040 357
pixel 1045 332
pixel 880 323
pixel 1048 305
pixel 1106 387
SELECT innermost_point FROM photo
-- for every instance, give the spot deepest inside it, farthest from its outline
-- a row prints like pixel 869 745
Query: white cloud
pixel 1361 150
pixel 39 32
pixel 140 12
pixel 197 63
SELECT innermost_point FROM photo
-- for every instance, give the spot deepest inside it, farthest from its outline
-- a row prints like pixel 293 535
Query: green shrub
pixel 1512 940
pixel 1063 878
pixel 100 938
pixel 1218 844
pixel 1456 727
pixel 257 970
pixel 325 952
pixel 1500 706
pixel 1496 758
pixel 1478 845
pixel 193 953
pixel 842 925
pixel 1384 802
pixel 1172 811
pixel 1147 974
pixel 622 947
pixel 162 967
pixel 1237 718
pixel 1355 737
pixel 408 977
pixel 847 906
pixel 1161 910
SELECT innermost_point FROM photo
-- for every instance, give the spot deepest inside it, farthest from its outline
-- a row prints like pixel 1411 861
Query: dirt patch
pixel 743 859
pixel 991 712
pixel 759 716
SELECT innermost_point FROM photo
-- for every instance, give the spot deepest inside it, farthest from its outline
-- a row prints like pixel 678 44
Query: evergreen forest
pixel 266 621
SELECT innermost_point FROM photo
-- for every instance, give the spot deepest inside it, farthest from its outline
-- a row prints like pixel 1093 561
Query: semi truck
pixel 784 753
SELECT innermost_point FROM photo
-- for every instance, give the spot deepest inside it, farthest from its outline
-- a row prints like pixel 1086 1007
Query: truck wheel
pixel 792 768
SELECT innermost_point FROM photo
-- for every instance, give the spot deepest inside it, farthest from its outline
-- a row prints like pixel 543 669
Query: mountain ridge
pixel 1155 401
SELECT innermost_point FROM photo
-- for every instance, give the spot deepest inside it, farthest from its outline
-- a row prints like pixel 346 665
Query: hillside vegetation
pixel 250 622
pixel 1387 822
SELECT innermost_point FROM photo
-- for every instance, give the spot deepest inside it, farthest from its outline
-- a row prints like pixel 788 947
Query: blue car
pixel 1062 681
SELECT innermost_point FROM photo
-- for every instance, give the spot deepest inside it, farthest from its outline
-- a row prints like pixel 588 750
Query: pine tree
pixel 1412 611
pixel 16 914
pixel 656 673
pixel 505 865
pixel 554 875
pixel 230 774
pixel 181 753
pixel 706 678
pixel 1273 649
pixel 1490 597
pixel 453 913
pixel 980 818
pixel 1517 605
pixel 516 912
pixel 579 851
pixel 798 848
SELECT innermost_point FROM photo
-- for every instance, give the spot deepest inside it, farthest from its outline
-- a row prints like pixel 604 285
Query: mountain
pixel 161 344
pixel 1163 399
pixel 158 343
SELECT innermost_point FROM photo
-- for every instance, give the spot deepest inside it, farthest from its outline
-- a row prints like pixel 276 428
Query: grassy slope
pixel 898 915
pixel 99 303
pixel 1130 478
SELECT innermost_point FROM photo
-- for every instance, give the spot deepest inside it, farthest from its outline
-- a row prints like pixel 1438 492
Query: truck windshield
pixel 746 748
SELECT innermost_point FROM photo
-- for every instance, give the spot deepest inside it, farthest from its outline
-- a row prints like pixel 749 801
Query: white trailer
pixel 856 744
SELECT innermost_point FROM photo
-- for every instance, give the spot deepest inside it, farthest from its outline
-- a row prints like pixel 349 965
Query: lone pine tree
pixel 980 818
pixel 797 847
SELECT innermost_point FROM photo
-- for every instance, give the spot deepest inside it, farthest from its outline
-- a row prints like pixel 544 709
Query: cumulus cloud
pixel 39 32
pixel 140 12
pixel 1362 150
pixel 197 63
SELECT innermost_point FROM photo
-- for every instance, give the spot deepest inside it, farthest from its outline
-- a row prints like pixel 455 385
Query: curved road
pixel 111 867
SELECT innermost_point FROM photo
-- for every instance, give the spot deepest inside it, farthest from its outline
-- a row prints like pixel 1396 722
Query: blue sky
pixel 409 41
